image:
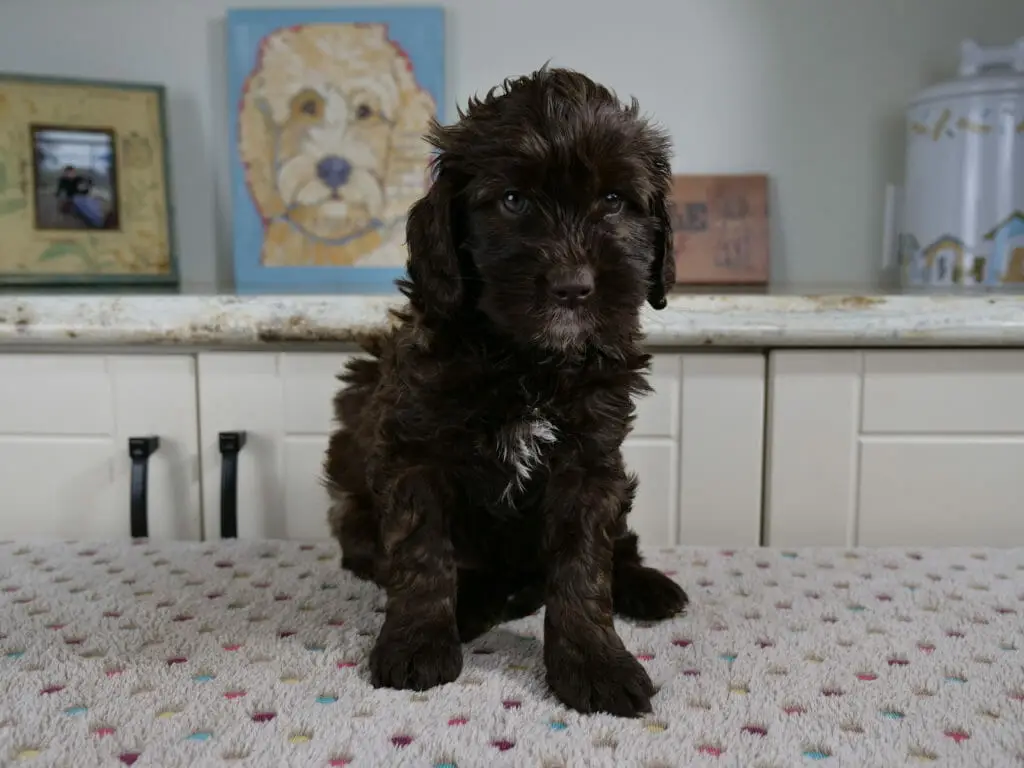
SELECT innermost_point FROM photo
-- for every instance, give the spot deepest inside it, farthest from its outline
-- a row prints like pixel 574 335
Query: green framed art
pixel 84 184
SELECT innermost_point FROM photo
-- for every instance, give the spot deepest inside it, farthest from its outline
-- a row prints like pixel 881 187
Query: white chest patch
pixel 520 445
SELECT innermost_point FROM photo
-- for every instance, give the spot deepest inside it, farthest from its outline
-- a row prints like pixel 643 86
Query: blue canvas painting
pixel 329 108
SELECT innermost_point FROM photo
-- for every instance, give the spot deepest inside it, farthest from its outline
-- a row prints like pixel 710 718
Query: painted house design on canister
pixel 997 259
pixel 1007 255
pixel 943 259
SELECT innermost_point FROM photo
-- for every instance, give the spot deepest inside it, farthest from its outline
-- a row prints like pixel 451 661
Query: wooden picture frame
pixel 721 229
pixel 84 184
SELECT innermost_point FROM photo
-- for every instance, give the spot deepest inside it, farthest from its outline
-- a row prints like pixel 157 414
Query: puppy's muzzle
pixel 571 288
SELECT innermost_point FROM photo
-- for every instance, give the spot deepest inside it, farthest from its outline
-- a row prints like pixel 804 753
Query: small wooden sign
pixel 721 229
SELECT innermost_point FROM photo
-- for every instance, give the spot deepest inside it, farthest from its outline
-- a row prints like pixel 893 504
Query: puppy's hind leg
pixel 354 525
pixel 640 592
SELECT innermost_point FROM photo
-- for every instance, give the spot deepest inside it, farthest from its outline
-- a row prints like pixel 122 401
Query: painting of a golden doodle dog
pixel 328 153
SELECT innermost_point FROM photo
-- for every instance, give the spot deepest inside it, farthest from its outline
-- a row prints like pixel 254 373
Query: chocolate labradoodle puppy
pixel 477 473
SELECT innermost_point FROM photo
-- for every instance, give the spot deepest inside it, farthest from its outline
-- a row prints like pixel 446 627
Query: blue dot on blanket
pixel 815 754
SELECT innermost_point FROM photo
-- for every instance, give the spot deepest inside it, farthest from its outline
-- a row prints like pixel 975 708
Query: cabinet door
pixel 64 430
pixel 721 455
pixel 813 422
pixel 895 448
pixel 696 447
pixel 283 403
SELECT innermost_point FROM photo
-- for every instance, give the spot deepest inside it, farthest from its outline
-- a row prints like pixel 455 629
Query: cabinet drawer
pixel 56 394
pixel 928 392
pixel 941 492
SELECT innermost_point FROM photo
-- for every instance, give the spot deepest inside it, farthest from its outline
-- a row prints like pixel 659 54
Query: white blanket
pixel 254 654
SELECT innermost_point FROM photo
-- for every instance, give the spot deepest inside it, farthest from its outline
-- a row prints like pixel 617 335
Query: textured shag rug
pixel 254 654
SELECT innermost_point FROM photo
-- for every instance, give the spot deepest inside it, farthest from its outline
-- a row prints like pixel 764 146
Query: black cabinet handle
pixel 231 443
pixel 140 449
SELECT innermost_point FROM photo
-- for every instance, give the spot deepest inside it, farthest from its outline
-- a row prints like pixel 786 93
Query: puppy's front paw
pixel 417 657
pixel 646 594
pixel 600 680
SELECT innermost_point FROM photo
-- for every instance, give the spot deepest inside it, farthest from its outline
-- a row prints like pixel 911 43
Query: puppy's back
pixel 344 462
pixel 360 378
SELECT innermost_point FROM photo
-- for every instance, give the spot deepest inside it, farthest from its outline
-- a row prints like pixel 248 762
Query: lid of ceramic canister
pixel 982 71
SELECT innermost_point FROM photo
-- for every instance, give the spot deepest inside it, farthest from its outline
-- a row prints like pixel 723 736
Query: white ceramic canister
pixel 963 198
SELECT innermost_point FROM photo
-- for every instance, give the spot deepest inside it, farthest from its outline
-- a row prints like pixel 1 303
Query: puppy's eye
pixel 363 111
pixel 308 104
pixel 612 202
pixel 514 202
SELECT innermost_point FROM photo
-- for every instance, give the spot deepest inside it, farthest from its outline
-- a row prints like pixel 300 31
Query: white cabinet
pixel 895 447
pixel 696 444
pixel 65 421
pixel 881 447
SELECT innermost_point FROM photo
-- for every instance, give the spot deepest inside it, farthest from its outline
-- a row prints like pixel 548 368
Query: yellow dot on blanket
pixel 291 679
pixel 656 727
pixel 299 738
pixel 165 714
pixel 29 753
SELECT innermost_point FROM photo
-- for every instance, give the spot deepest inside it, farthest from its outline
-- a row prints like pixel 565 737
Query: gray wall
pixel 808 91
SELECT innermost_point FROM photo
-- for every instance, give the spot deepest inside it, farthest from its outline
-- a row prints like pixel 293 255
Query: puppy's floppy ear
pixel 663 266
pixel 256 150
pixel 435 286
pixel 408 152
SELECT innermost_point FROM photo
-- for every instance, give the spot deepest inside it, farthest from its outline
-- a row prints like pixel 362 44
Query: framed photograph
pixel 84 184
pixel 721 230
pixel 327 152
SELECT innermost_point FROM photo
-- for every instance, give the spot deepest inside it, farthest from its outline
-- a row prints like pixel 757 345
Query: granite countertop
pixel 689 320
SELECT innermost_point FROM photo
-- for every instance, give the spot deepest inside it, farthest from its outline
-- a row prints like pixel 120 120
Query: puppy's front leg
pixel 588 667
pixel 418 646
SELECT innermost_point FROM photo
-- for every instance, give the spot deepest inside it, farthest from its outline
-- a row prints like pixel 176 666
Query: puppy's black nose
pixel 573 288
pixel 334 171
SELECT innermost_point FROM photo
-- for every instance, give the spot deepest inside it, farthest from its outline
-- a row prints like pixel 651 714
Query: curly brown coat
pixel 477 474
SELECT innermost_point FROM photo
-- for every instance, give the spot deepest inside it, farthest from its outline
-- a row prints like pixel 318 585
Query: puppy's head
pixel 548 213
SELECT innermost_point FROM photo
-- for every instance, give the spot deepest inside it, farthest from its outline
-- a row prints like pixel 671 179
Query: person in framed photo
pixel 74 190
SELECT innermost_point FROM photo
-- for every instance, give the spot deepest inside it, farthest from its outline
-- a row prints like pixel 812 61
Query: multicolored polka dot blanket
pixel 254 654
